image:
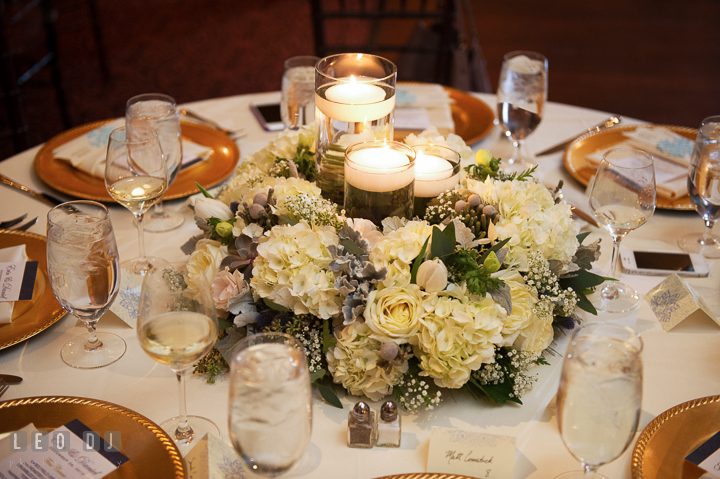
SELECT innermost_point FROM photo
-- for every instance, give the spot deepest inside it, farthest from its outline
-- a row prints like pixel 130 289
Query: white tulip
pixel 210 208
pixel 432 276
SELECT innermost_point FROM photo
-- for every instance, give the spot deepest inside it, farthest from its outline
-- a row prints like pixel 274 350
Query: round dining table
pixel 679 365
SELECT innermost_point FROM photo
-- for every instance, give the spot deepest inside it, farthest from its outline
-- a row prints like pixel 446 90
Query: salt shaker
pixel 361 426
pixel 389 428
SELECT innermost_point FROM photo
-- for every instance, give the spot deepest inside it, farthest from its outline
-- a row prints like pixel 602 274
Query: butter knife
pixel 8 379
pixel 44 197
pixel 604 125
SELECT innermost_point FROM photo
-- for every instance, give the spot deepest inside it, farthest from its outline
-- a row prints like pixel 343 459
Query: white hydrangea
pixel 291 269
pixel 457 335
pixel 431 135
pixel 283 146
pixel 356 363
pixel 397 250
pixel 243 189
pixel 531 219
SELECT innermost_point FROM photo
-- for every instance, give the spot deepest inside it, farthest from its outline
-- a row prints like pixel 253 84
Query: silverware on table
pixel 10 223
pixel 26 226
pixel 604 125
pixel 585 216
pixel 211 123
pixel 44 197
pixel 10 379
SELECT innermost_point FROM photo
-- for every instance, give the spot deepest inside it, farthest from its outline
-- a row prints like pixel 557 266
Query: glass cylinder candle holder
pixel 437 169
pixel 354 102
pixel 379 180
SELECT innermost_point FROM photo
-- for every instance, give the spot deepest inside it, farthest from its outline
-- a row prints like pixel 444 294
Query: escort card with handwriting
pixel 707 456
pixel 473 454
pixel 17 280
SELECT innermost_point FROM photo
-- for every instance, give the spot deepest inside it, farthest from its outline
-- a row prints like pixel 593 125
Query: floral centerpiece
pixel 468 297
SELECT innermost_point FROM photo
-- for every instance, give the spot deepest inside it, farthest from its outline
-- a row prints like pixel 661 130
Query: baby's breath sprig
pixel 415 392
pixel 308 330
pixel 540 277
pixel 506 379
pixel 313 209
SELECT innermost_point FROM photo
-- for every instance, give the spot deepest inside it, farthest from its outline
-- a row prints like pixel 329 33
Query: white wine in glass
pixel 270 402
pixel 159 112
pixel 177 326
pixel 600 395
pixel 136 176
pixel 622 198
pixel 83 267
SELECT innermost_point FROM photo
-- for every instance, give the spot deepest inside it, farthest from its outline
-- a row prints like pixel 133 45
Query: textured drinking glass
pixel 83 266
pixel 622 198
pixel 270 402
pixel 159 112
pixel 600 395
pixel 177 326
pixel 136 176
pixel 297 100
pixel 704 188
pixel 521 96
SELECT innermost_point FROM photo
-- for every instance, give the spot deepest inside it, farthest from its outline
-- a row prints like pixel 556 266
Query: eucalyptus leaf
pixel 273 305
pixel 441 245
pixel 317 375
pixel 581 237
pixel 418 261
pixel 585 304
pixel 329 395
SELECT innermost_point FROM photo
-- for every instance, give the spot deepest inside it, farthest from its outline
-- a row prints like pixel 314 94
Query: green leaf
pixel 582 279
pixel 585 304
pixel 494 249
pixel 224 323
pixel 328 340
pixel 203 190
pixel 449 231
pixel 288 220
pixel 581 237
pixel 273 305
pixel 418 261
pixel 499 393
pixel 441 245
pixel 317 375
pixel 329 395
pixel 350 246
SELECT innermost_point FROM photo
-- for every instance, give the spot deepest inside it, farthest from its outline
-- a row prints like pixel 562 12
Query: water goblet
pixel 270 402
pixel 297 100
pixel 521 96
pixel 622 198
pixel 136 176
pixel 600 395
pixel 177 325
pixel 83 267
pixel 159 111
pixel 704 188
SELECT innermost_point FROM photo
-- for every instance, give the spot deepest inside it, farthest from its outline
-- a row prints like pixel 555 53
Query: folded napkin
pixel 421 105
pixel 88 152
pixel 14 254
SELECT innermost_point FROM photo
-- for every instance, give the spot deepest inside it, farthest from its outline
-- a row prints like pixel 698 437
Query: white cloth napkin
pixel 14 254
pixel 421 105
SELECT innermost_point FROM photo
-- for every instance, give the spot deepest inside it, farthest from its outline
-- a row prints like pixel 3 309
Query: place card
pixel 127 301
pixel 674 301
pixel 17 280
pixel 212 458
pixel 411 119
pixel 707 456
pixel 474 454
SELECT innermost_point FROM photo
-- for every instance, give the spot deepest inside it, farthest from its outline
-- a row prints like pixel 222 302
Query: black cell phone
pixel 268 114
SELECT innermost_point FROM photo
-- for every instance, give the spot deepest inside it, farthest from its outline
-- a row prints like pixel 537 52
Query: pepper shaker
pixel 389 428
pixel 361 426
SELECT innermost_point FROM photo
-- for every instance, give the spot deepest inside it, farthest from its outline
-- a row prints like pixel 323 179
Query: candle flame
pixel 352 79
pixel 359 56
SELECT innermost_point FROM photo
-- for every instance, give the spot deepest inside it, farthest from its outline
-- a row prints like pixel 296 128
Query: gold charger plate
pixel 151 452
pixel 42 311
pixel 473 117
pixel 589 143
pixel 661 448
pixel 62 176
pixel 426 475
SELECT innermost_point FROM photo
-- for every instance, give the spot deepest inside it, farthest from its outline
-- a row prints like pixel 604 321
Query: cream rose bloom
pixel 356 363
pixel 523 300
pixel 538 335
pixel 394 313
pixel 397 250
pixel 227 286
pixel 204 262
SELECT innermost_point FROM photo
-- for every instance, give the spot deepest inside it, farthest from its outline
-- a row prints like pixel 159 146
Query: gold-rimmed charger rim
pixel 45 311
pixel 176 462
pixel 426 475
pixel 576 163
pixel 643 444
pixel 209 172
pixel 470 113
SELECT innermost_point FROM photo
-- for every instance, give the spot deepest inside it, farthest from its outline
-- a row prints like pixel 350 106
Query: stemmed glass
pixel 297 100
pixel 270 402
pixel 136 176
pixel 159 111
pixel 521 96
pixel 600 395
pixel 704 188
pixel 83 267
pixel 177 326
pixel 622 198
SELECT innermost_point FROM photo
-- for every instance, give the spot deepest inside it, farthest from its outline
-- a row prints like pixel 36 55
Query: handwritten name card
pixel 475 454
pixel 707 456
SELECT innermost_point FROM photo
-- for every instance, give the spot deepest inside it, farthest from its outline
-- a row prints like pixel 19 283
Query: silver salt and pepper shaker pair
pixel 364 431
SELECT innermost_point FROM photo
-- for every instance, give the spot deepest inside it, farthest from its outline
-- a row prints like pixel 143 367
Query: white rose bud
pixel 432 276
pixel 210 208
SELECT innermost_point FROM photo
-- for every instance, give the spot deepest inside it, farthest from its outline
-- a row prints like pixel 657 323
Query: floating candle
pixel 434 175
pixel 355 100
pixel 378 169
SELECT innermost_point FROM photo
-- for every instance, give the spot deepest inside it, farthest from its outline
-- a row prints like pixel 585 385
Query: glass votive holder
pixel 354 102
pixel 437 169
pixel 379 180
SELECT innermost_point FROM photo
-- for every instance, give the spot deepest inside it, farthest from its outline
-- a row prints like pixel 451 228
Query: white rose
pixel 204 261
pixel 210 208
pixel 394 313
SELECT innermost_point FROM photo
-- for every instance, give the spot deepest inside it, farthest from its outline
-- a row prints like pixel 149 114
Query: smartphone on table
pixel 662 262
pixel 268 114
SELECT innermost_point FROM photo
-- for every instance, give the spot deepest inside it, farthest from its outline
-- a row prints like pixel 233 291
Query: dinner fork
pixel 3 387
pixel 239 133
pixel 10 223
pixel 26 226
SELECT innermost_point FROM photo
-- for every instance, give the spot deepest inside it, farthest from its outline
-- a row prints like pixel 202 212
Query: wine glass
pixel 704 188
pixel 622 198
pixel 297 100
pixel 600 395
pixel 83 266
pixel 159 111
pixel 136 176
pixel 270 402
pixel 177 326
pixel 521 96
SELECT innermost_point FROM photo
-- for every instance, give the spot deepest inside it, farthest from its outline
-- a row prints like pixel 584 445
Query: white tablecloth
pixel 679 366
